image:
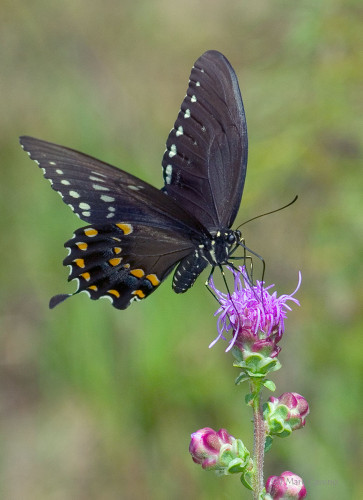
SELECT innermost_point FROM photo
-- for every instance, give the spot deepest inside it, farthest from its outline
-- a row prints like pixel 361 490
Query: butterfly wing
pixel 99 193
pixel 137 235
pixel 122 262
pixel 205 161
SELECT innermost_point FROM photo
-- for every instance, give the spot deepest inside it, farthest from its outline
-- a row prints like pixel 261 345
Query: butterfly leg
pixel 207 284
pixel 245 257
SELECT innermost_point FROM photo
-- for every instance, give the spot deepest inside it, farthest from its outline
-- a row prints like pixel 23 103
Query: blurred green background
pixel 98 403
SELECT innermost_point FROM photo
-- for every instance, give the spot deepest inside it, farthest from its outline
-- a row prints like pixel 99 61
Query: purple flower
pixel 254 314
pixel 286 486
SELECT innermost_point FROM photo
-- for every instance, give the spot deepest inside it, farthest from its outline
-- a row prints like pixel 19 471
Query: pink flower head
pixel 286 486
pixel 206 444
pixel 254 314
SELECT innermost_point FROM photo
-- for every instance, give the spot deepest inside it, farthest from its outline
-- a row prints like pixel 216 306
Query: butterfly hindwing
pixel 205 162
pixel 122 262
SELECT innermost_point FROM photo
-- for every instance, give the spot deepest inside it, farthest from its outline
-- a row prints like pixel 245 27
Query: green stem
pixel 259 441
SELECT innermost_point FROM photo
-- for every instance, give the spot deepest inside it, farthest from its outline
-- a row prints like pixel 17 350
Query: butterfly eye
pixel 230 238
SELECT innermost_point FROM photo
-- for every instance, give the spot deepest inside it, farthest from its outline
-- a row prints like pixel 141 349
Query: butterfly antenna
pixel 268 213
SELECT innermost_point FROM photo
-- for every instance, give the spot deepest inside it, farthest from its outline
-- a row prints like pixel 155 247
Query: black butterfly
pixel 137 233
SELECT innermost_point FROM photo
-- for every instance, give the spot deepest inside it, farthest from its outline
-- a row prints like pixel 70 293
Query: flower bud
pixel 285 414
pixel 218 451
pixel 286 486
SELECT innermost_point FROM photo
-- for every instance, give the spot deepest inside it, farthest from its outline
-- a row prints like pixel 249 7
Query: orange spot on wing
pixel 90 232
pixel 86 276
pixel 126 228
pixel 115 261
pixel 154 280
pixel 117 250
pixel 114 292
pixel 82 246
pixel 79 262
pixel 139 293
pixel 139 273
pixel 93 287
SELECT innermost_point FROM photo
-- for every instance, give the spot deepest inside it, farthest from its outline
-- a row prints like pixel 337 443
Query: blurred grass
pixel 97 403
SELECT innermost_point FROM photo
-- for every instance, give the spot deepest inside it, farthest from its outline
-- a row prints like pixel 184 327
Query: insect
pixel 137 234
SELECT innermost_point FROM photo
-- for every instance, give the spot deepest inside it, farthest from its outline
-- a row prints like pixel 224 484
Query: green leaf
pixel 246 480
pixel 268 443
pixel 249 398
pixel 269 385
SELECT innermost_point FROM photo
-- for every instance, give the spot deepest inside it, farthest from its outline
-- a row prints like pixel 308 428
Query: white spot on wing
pixel 97 179
pixel 180 131
pixel 65 182
pixel 74 194
pixel 84 206
pixel 187 113
pixel 197 84
pixel 52 163
pixel 168 172
pixel 59 171
pixel 193 98
pixel 172 151
pixel 86 214
pixel 110 215
pixel 97 187
pixel 98 173
pixel 107 199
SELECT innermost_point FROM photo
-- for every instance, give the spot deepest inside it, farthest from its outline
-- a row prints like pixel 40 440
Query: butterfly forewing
pixel 100 193
pixel 205 162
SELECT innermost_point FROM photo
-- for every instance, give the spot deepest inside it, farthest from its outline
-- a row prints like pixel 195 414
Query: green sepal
pixel 276 419
pixel 255 364
pixel 233 460
pixel 235 466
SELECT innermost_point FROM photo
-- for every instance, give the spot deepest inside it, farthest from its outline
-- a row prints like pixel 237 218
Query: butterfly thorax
pixel 216 250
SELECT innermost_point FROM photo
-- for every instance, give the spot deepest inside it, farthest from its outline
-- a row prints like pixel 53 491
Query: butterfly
pixel 137 234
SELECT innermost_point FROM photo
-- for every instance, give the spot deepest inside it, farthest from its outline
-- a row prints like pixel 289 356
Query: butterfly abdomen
pixel 188 271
